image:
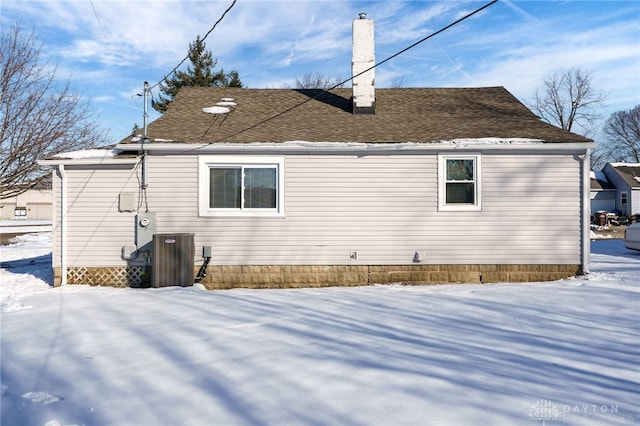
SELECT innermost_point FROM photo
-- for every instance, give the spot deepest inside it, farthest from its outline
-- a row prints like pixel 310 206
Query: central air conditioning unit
pixel 173 260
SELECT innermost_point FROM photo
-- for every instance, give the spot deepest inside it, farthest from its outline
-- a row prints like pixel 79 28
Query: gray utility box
pixel 173 260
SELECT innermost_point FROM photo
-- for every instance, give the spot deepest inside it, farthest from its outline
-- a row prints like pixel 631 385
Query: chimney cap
pixel 362 15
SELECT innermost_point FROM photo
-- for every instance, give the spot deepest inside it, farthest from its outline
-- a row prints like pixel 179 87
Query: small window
pixel 241 186
pixel 20 212
pixel 459 182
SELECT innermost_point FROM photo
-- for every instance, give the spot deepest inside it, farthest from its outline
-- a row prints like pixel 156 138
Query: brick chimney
pixel 363 57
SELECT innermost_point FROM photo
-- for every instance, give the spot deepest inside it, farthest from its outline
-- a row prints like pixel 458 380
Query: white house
pixel 287 188
pixel 625 178
pixel 603 193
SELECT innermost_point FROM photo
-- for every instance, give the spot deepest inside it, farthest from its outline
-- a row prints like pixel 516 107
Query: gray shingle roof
pixel 402 115
pixel 601 185
pixel 630 174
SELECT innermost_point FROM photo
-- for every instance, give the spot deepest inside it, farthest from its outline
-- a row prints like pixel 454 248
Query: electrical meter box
pixel 173 260
pixel 145 228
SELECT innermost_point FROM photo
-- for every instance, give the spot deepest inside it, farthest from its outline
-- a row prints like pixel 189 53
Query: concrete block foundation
pixel 299 276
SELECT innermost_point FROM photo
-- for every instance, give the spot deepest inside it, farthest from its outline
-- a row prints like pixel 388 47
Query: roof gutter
pixel 340 147
pixel 87 161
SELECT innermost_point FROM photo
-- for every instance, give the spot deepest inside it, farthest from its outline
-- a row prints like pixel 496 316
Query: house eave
pixel 88 161
pixel 488 144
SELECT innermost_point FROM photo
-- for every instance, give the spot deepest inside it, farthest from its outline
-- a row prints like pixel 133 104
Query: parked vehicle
pixel 632 236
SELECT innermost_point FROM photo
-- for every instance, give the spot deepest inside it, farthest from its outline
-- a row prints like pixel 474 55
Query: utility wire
pixel 281 113
pixel 106 39
pixel 98 19
pixel 421 41
pixel 203 38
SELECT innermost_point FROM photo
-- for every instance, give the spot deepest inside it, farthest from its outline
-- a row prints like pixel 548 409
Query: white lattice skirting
pixel 132 276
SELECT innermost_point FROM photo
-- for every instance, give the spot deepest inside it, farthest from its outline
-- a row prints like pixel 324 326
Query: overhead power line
pixel 106 40
pixel 233 3
pixel 422 40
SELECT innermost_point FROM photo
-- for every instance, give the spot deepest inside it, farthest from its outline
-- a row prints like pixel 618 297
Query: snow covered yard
pixel 561 353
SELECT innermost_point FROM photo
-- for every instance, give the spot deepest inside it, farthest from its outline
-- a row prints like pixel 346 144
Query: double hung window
pixel 459 182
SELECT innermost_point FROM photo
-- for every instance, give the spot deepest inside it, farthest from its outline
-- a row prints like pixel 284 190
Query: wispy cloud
pixel 518 10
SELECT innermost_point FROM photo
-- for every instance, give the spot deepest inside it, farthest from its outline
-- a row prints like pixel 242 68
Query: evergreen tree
pixel 200 74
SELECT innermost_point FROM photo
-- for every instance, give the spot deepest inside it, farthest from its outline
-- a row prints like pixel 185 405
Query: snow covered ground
pixel 558 353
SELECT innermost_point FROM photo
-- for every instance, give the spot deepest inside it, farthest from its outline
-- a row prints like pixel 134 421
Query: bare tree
pixel 599 157
pixel 622 133
pixel 567 99
pixel 39 118
pixel 318 81
pixel 397 82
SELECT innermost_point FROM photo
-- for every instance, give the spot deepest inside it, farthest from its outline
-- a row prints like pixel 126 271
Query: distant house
pixel 33 204
pixel 603 193
pixel 625 178
pixel 288 188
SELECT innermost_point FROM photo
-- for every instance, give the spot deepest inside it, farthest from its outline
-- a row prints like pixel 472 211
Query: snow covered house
pixel 288 188
pixel 603 193
pixel 625 178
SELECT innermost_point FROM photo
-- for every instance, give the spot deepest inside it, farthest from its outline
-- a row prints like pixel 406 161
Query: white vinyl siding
pixel 385 207
pixel 96 230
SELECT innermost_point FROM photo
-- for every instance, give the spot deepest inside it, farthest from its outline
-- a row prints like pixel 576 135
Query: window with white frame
pixel 230 186
pixel 459 185
pixel 20 212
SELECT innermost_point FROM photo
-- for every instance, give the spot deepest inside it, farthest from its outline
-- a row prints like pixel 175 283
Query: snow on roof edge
pixel 599 175
pixel 302 143
pixel 139 138
pixel 96 153
pixel 625 164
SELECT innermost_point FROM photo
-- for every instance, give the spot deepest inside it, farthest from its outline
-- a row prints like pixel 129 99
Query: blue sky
pixel 108 48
